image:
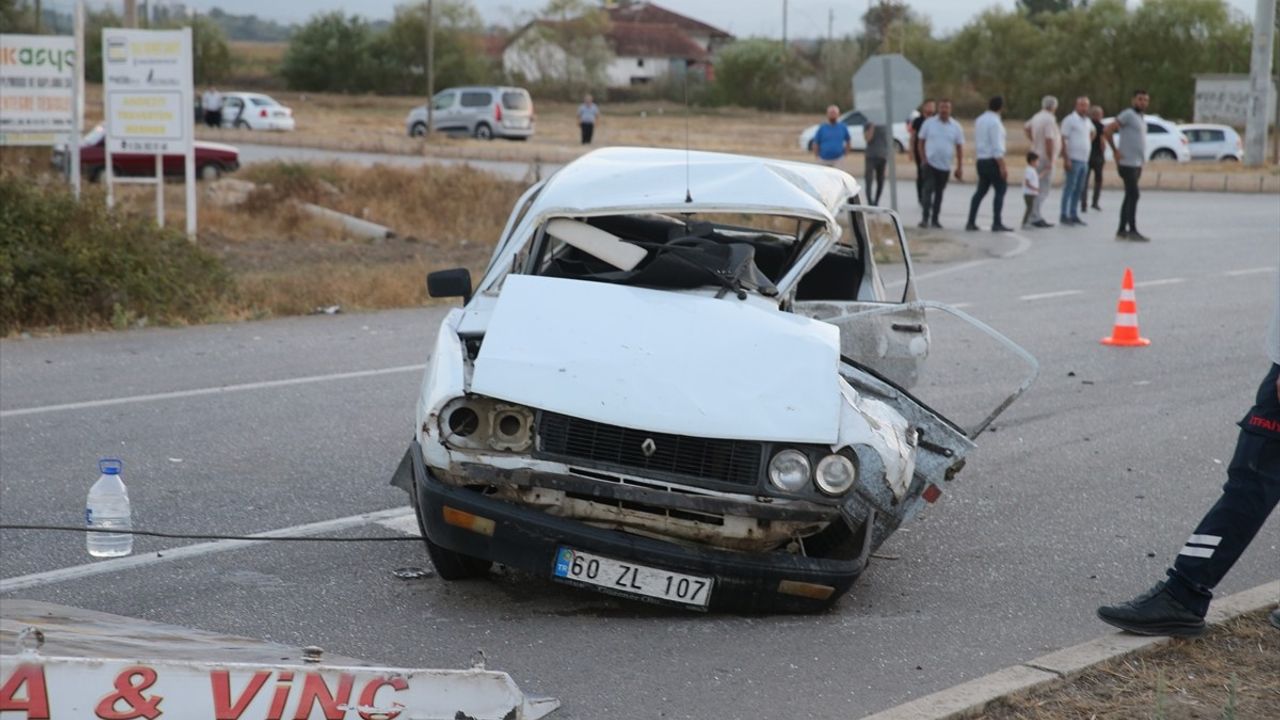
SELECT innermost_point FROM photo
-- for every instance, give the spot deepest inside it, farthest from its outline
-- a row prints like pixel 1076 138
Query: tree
pixel 459 53
pixel 332 52
pixel 211 55
pixel 755 73
pixel 1035 7
pixel 565 51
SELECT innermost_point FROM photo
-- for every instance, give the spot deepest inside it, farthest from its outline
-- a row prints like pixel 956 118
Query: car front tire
pixel 449 565
pixel 210 171
pixel 1164 154
pixel 418 129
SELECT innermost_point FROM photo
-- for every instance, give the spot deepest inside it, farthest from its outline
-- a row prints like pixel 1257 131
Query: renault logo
pixel 648 447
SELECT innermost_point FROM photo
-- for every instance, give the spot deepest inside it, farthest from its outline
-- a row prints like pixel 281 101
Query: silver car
pixel 481 112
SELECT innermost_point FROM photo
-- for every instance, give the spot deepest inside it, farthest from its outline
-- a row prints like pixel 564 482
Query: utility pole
pixel 131 13
pixel 831 19
pixel 431 67
pixel 783 93
pixel 1255 134
pixel 39 17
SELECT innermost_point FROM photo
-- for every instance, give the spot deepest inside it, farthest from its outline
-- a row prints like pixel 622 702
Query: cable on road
pixel 198 536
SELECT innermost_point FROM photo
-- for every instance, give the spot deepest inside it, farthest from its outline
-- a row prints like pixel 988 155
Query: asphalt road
pixel 1082 494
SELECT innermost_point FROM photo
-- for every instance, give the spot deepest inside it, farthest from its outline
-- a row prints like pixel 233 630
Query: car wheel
pixel 449 565
pixel 898 146
pixel 419 129
pixel 210 171
pixel 484 132
pixel 94 173
pixel 1230 158
pixel 1164 154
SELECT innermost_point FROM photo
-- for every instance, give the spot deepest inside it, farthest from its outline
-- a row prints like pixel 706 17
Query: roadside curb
pixel 969 699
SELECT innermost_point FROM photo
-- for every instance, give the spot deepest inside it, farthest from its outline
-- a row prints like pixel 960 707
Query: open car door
pixel 869 268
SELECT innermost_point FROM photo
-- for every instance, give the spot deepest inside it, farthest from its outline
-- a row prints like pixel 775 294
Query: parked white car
pixel 856 120
pixel 255 111
pixel 1213 142
pixel 689 393
pixel 1164 140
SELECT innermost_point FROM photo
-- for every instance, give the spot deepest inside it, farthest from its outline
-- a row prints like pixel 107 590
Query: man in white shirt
pixel 989 146
pixel 1042 131
pixel 1077 141
pixel 942 142
pixel 211 101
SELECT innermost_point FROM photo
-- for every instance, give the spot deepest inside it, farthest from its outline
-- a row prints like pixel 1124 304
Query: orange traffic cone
pixel 1125 332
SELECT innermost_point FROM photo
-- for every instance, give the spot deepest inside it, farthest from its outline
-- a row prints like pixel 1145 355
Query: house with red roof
pixel 640 43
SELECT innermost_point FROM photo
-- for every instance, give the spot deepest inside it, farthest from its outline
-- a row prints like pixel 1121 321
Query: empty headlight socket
pixel 511 427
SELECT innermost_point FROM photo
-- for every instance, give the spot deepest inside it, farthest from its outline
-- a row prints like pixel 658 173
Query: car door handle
pixel 908 327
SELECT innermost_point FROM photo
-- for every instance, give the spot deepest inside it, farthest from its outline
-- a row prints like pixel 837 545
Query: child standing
pixel 1030 186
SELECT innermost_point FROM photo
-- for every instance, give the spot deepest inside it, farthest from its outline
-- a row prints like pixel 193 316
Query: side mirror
pixel 450 283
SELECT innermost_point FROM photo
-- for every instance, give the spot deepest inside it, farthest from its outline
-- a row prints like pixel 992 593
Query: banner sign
pixel 37 75
pixel 148 90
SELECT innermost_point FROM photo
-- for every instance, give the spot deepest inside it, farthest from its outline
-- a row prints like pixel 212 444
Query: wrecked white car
pixel 682 380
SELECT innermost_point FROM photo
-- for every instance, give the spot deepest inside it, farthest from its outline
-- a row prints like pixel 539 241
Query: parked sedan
pixel 856 121
pixel 1213 142
pixel 212 159
pixel 255 111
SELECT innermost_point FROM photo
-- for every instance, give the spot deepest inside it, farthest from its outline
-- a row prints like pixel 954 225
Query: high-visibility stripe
pixel 1127 295
pixel 1126 320
pixel 1192 551
pixel 1210 540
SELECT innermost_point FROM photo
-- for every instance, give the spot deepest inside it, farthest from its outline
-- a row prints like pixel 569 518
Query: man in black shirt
pixel 1097 158
pixel 917 154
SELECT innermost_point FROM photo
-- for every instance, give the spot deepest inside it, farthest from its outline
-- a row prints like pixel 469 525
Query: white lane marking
pixel 1248 271
pixel 407 524
pixel 208 391
pixel 1162 281
pixel 1210 540
pixel 76 572
pixel 1192 551
pixel 1047 295
pixel 1024 244
pixel 940 272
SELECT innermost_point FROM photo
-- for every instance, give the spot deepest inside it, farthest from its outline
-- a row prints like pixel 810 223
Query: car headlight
pixel 789 470
pixel 478 423
pixel 835 475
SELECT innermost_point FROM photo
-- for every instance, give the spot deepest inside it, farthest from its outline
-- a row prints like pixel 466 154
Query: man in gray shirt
pixel 877 154
pixel 1130 155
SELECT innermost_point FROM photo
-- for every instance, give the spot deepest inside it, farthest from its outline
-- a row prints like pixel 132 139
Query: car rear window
pixel 515 100
pixel 475 99
pixel 262 101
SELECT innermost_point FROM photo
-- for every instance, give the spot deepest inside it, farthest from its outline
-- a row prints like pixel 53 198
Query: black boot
pixel 1154 612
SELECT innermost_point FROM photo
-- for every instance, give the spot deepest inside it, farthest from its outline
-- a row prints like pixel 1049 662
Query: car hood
pixel 662 361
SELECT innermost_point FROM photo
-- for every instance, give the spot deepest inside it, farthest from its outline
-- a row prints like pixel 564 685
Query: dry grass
pixel 1233 672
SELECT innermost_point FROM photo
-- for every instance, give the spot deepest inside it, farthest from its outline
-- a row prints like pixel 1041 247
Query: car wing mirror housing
pixel 455 282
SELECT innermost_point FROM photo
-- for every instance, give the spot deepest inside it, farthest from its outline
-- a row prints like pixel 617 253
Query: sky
pixel 806 18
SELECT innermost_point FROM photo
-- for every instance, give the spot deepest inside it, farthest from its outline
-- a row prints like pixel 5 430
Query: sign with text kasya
pixel 148 90
pixel 64 688
pixel 36 86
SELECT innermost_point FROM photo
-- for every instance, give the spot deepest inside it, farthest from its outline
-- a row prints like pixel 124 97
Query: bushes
pixel 77 265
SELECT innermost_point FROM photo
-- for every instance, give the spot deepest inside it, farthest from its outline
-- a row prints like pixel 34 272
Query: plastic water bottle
pixel 108 508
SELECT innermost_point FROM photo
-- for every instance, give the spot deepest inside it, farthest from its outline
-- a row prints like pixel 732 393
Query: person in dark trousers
pixel 942 144
pixel 989 147
pixel 1097 159
pixel 1177 606
pixel 1130 155
pixel 926 112
pixel 876 156
pixel 588 114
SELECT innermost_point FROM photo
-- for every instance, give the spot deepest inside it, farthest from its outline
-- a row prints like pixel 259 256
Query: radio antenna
pixel 688 194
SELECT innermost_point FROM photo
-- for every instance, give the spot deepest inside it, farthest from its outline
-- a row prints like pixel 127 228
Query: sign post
pixel 148 102
pixel 37 89
pixel 883 86
pixel 77 112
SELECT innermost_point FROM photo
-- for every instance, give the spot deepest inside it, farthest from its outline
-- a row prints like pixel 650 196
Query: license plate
pixel 632 579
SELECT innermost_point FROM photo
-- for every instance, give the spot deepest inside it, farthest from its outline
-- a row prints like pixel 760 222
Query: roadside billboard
pixel 37 79
pixel 148 91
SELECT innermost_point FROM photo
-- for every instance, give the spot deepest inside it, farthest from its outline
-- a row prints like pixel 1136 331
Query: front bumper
pixel 529 539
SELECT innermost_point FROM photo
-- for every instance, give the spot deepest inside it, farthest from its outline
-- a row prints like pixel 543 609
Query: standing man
pixel 1077 140
pixel 832 140
pixel 588 114
pixel 211 101
pixel 988 146
pixel 917 155
pixel 942 144
pixel 877 155
pixel 1042 131
pixel 1177 606
pixel 1097 158
pixel 1130 155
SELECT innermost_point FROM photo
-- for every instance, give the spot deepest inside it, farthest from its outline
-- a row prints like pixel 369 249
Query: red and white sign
pixel 33 687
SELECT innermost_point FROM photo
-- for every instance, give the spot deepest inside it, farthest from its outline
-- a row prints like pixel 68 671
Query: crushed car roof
pixel 639 179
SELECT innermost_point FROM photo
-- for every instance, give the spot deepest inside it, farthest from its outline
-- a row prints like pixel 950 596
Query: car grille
pixel 727 461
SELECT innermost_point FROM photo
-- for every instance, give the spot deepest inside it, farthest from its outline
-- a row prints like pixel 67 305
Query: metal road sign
pixel 895 73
